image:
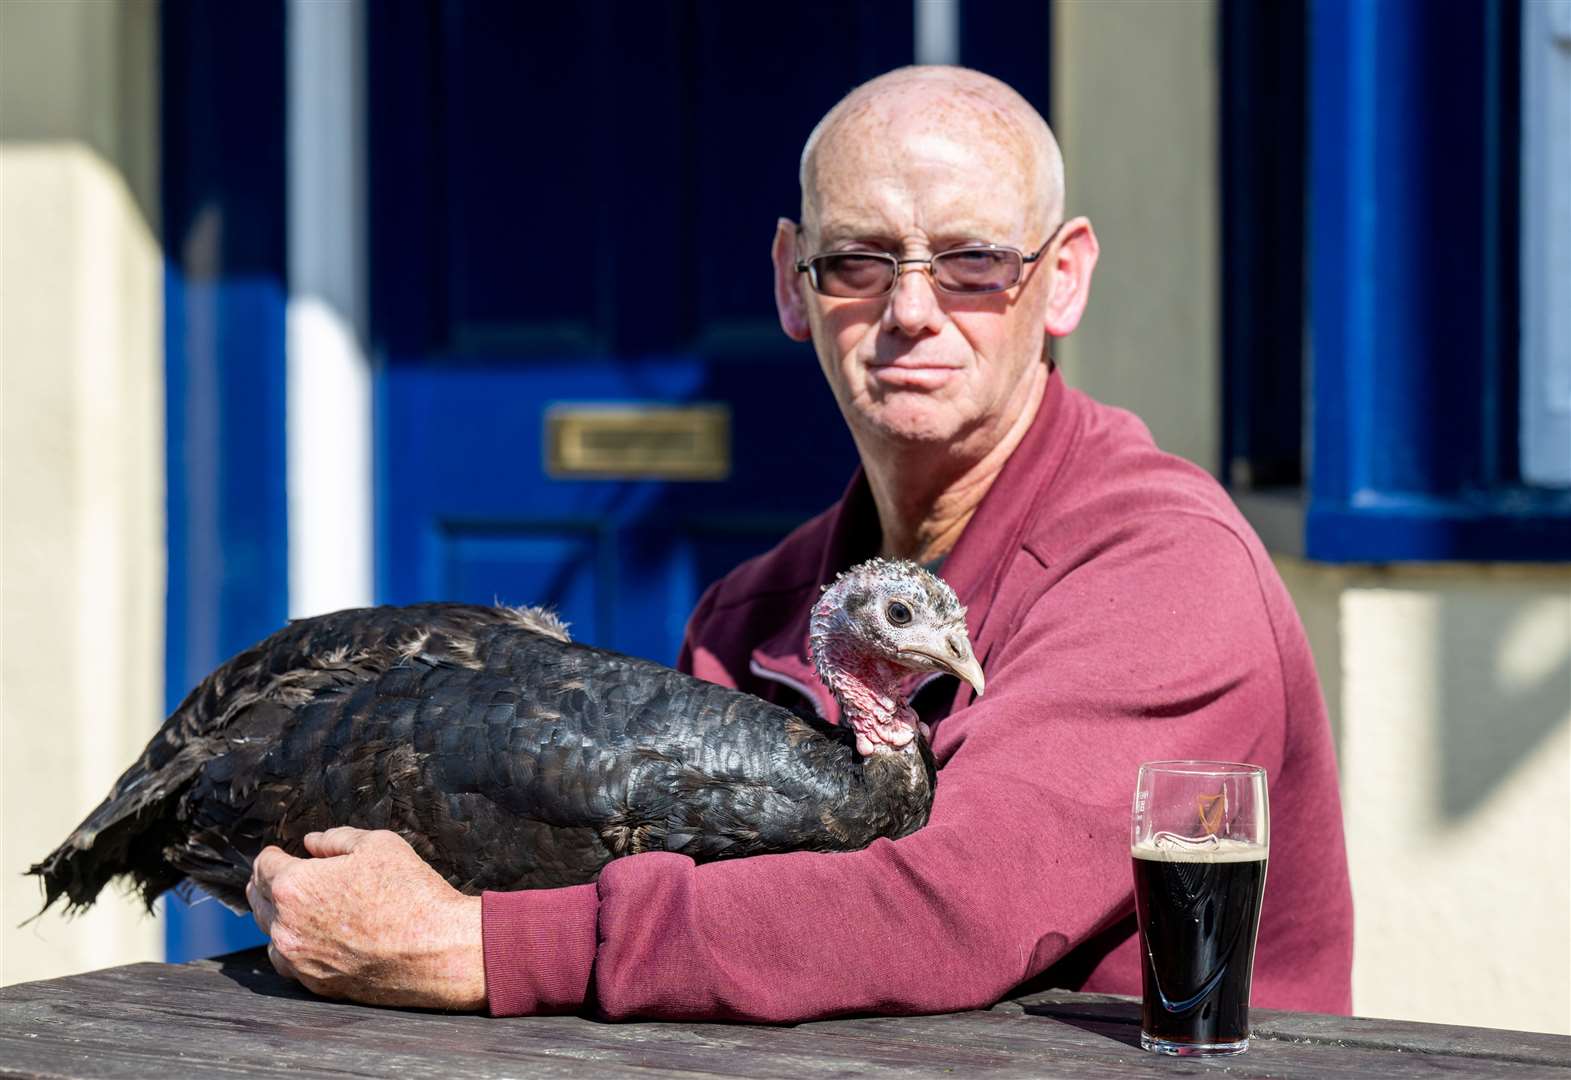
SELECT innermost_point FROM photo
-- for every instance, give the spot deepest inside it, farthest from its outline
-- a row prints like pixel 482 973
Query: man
pixel 1122 609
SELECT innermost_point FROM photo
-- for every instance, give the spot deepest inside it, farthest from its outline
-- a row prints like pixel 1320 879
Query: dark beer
pixel 1198 911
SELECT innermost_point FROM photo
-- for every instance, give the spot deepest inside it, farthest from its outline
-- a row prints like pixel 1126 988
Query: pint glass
pixel 1200 839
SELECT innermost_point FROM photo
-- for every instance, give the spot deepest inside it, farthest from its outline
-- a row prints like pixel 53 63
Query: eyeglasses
pixel 969 270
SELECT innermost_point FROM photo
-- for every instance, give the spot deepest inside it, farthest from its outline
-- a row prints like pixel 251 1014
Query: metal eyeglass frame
pixel 807 266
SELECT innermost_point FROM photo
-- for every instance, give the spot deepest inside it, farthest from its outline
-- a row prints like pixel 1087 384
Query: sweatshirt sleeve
pixel 1158 645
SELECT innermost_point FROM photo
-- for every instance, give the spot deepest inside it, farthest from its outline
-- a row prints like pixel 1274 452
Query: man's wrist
pixel 465 975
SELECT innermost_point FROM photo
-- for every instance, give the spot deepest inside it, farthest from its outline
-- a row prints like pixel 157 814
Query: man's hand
pixel 368 919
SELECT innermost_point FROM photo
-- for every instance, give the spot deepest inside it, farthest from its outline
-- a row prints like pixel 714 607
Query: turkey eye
pixel 898 613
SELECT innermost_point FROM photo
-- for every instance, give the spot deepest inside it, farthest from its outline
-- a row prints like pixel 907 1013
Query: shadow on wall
pixel 1486 649
pixel 1504 657
pixel 100 98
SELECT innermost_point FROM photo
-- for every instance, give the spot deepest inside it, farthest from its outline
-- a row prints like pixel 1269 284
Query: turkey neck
pixel 866 687
pixel 868 690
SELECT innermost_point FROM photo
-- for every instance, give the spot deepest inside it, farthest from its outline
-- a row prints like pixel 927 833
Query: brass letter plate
pixel 638 442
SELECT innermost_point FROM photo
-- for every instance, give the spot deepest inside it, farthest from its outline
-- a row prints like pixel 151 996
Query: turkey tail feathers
pixel 123 836
pixel 129 832
pixel 143 831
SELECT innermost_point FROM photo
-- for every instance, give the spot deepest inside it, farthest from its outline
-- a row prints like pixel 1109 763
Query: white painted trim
pixel 1546 243
pixel 785 680
pixel 937 31
pixel 328 382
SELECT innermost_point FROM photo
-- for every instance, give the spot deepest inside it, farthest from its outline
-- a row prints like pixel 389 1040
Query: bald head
pixel 935 103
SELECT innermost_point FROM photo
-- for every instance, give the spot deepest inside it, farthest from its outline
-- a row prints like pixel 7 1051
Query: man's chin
pixel 915 422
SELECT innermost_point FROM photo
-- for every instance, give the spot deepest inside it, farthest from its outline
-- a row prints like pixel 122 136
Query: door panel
pixel 574 204
pixel 481 566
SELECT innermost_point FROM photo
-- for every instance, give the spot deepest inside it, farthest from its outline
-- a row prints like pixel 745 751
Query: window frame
pixel 1408 410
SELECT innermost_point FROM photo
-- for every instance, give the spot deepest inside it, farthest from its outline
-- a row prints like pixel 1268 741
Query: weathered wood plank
pixel 235 1017
pixel 1528 1047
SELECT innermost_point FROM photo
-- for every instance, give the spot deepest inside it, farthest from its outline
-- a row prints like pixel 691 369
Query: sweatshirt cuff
pixel 539 949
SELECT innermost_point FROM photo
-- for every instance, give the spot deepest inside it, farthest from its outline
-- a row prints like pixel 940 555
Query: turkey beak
pixel 969 670
pixel 955 657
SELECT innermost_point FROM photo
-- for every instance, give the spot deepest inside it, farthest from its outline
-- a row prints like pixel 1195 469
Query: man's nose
pixel 913 307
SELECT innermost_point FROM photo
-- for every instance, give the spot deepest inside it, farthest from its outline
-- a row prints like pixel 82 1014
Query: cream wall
pixel 1135 112
pixel 81 451
pixel 1449 687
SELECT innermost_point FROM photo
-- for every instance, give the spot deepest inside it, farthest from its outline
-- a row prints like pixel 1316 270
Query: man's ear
pixel 788 284
pixel 1073 262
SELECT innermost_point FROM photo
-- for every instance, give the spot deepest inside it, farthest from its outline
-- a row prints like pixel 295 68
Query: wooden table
pixel 234 1017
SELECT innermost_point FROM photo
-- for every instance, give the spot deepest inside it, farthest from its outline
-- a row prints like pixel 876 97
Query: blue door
pixel 572 206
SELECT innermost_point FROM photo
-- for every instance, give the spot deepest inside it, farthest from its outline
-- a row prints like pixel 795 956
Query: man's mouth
pixel 914 363
pixel 916 374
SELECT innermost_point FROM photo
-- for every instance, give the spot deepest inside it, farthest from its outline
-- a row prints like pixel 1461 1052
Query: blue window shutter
pixel 1413 149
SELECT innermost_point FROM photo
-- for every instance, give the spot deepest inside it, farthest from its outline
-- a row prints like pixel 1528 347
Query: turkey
pixel 513 758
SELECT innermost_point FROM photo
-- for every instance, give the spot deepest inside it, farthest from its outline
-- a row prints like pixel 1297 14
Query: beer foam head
pixel 1169 847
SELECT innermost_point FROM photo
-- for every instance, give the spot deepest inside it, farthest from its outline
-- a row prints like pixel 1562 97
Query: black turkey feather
pixel 511 757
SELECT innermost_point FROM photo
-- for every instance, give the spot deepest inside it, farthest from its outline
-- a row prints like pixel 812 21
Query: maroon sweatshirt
pixel 1123 612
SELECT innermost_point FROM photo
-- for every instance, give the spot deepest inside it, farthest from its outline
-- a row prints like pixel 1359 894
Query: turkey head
pixel 877 623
